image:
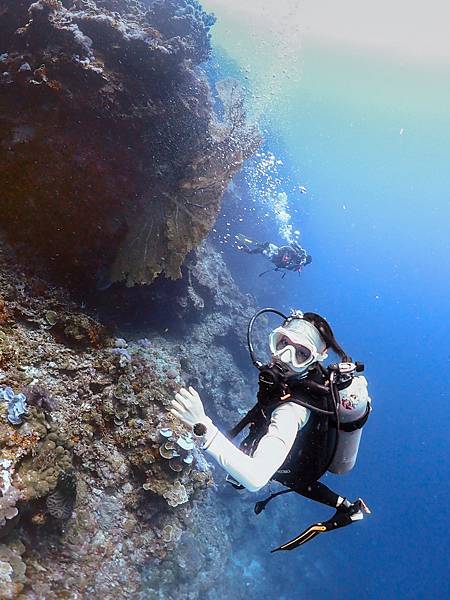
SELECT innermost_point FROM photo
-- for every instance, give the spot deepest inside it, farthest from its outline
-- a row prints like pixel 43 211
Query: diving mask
pixel 288 351
pixel 297 344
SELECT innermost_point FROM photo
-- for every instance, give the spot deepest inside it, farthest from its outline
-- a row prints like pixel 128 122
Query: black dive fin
pixel 344 515
pixel 305 536
pixel 268 271
pixel 261 505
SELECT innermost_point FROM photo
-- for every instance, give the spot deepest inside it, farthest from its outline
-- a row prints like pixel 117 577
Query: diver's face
pixel 297 357
pixel 296 353
pixel 296 345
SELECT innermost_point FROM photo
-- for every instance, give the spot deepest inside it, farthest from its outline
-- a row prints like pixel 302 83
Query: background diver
pixel 307 421
pixel 291 257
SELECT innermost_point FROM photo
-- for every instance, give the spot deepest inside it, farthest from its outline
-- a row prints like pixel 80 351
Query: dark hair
pixel 327 334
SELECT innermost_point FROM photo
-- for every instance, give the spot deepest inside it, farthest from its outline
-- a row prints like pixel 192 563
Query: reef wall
pixel 101 490
pixel 113 159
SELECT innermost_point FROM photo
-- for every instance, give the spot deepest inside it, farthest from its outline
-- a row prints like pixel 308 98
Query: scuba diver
pixel 290 258
pixel 307 420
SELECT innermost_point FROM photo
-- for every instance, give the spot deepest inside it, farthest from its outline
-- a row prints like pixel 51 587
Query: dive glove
pixel 188 407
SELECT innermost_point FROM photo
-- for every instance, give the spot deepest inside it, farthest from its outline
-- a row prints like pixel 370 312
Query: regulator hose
pixel 258 364
pixel 336 401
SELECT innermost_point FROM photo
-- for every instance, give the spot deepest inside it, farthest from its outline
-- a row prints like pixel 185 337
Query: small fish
pixel 166 330
pixel 302 189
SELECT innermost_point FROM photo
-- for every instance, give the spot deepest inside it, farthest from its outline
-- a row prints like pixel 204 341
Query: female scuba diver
pixel 307 420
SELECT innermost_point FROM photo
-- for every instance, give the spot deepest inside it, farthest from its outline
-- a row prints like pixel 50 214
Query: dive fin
pixel 344 515
pixel 304 537
pixel 268 271
pixel 261 505
pixel 243 239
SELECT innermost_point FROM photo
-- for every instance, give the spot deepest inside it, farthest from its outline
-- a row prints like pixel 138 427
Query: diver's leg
pixel 346 513
pixel 319 492
pixel 259 249
pixel 315 491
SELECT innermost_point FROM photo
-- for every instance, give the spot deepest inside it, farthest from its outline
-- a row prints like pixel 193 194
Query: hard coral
pixel 37 395
pixel 8 500
pixel 185 20
pixel 80 330
pixel 33 456
pixel 61 502
pixel 5 315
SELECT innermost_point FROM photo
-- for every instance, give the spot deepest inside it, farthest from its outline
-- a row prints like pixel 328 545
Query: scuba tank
pixel 354 408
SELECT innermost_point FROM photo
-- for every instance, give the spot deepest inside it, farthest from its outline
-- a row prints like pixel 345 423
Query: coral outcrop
pixel 113 159
pixel 103 491
pixel 89 460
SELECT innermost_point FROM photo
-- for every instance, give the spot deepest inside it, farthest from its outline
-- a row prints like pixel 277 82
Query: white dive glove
pixel 188 407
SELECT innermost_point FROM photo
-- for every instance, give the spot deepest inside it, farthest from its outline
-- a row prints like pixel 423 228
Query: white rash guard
pixel 253 472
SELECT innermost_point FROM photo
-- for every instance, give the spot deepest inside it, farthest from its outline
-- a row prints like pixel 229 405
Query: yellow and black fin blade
pixel 302 538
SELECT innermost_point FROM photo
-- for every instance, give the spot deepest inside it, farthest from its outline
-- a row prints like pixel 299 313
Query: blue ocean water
pixel 368 137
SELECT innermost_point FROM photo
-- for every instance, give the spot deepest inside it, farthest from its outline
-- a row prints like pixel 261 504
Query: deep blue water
pixel 376 221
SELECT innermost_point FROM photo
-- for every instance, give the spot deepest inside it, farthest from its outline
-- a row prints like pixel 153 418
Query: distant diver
pixel 307 420
pixel 291 257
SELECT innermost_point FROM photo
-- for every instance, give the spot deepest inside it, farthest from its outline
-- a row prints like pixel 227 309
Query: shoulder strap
pixel 354 425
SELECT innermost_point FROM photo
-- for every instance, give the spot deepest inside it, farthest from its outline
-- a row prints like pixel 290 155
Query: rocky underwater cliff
pixel 114 159
pixel 97 479
pixel 115 155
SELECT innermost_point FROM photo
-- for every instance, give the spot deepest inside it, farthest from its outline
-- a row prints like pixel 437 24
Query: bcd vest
pixel 314 445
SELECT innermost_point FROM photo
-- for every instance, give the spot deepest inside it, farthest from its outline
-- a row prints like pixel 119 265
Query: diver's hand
pixel 188 407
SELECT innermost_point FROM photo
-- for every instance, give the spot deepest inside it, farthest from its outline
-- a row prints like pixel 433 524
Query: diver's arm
pixel 253 472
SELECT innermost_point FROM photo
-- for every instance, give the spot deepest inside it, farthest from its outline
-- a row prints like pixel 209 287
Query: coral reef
pixel 185 20
pixel 114 161
pixel 95 425
pixel 90 501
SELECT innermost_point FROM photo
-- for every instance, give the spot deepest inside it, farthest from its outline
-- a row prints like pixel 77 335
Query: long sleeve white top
pixel 253 472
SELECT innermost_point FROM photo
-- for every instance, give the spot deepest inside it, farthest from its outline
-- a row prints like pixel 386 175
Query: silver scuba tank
pixel 355 403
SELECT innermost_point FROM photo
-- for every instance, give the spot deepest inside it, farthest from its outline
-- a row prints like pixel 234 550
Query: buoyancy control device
pixel 347 408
